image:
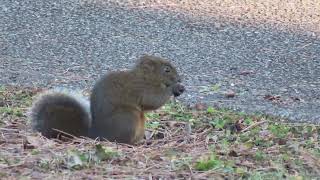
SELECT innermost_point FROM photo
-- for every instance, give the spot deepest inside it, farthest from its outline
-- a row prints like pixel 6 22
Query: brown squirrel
pixel 118 102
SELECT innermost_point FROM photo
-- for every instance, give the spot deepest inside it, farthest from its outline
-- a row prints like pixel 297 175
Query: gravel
pixel 71 43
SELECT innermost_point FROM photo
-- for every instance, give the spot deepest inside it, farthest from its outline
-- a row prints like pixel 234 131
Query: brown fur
pixel 118 102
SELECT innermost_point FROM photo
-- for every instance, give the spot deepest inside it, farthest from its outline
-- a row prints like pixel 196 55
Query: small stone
pixel 217 25
pixel 2 103
pixel 230 94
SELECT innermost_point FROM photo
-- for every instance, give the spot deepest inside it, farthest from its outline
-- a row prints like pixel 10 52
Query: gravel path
pixel 66 43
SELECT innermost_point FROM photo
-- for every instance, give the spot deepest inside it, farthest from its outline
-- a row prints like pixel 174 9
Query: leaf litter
pixel 181 143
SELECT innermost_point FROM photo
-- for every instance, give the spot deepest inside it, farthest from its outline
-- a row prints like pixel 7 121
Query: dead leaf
pixel 246 72
pixel 148 134
pixel 239 125
pixel 37 141
pixel 200 106
pixel 273 98
pixel 310 160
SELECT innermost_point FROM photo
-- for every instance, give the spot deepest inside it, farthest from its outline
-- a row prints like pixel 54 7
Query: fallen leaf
pixel 148 134
pixel 200 106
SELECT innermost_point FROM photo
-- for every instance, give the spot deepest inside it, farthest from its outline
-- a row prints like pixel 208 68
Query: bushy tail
pixel 65 111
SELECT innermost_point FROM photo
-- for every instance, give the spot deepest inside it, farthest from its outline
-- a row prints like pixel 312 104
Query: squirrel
pixel 117 104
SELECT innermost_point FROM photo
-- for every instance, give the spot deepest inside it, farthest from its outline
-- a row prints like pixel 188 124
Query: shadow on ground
pixel 68 43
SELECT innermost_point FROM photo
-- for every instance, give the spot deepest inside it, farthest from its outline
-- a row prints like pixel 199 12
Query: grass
pixel 182 143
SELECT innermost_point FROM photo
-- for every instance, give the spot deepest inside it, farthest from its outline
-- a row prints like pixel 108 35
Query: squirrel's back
pixel 56 109
pixel 118 102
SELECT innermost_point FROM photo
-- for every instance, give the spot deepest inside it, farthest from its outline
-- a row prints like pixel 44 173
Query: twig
pixel 62 132
pixel 7 129
pixel 253 126
pixel 14 165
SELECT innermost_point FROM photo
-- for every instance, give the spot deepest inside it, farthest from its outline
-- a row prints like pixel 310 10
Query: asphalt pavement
pixel 71 43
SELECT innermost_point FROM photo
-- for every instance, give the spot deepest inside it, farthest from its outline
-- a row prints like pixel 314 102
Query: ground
pixel 181 143
pixel 250 68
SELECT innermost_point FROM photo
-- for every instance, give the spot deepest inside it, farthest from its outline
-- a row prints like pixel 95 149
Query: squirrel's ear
pixel 146 61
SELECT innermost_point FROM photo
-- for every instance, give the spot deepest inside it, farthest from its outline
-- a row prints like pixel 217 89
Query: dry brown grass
pixel 185 144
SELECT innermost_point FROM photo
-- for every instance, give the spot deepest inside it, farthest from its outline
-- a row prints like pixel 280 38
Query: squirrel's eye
pixel 167 69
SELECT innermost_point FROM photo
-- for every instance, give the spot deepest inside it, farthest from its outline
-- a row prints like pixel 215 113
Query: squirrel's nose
pixel 181 89
pixel 178 90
